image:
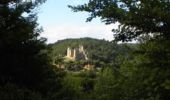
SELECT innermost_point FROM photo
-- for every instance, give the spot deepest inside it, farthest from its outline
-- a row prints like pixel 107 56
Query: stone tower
pixel 68 52
pixel 76 53
pixel 81 49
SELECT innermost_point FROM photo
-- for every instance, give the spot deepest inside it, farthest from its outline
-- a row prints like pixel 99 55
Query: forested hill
pixel 97 50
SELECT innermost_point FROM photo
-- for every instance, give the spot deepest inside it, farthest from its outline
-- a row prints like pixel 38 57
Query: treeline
pixel 99 52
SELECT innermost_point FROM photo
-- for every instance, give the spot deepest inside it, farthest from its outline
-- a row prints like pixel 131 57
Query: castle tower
pixel 74 54
pixel 68 52
pixel 81 49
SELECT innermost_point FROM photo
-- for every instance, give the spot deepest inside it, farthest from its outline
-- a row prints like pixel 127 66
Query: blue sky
pixel 59 22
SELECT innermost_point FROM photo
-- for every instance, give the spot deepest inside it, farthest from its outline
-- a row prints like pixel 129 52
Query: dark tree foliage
pixel 136 17
pixel 22 58
pixel 149 21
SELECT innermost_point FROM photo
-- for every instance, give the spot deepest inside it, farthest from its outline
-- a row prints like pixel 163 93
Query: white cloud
pixel 59 32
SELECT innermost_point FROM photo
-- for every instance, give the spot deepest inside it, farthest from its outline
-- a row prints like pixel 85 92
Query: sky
pixel 60 22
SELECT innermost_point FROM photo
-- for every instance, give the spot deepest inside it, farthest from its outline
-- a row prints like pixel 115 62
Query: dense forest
pixel 127 71
pixel 96 49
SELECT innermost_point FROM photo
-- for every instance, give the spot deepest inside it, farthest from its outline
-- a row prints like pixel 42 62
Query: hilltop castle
pixel 76 53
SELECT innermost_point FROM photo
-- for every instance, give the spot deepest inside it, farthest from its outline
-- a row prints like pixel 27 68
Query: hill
pixel 97 50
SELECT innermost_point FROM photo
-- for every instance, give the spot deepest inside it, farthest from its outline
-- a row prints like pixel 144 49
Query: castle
pixel 76 53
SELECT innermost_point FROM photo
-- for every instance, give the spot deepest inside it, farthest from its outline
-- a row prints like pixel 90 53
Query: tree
pixel 136 17
pixel 140 18
pixel 22 56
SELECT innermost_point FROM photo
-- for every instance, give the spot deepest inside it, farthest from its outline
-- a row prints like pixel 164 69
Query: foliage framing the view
pixel 26 71
pixel 136 17
pixel 148 21
pixel 20 49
